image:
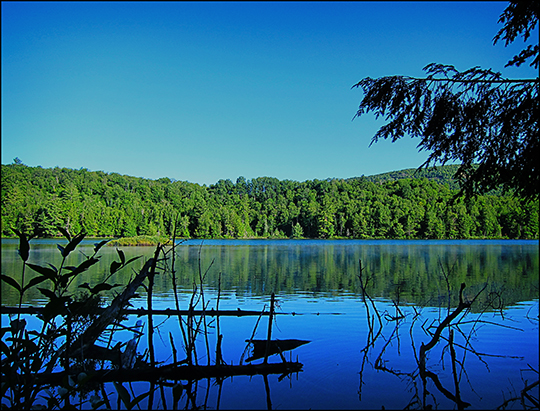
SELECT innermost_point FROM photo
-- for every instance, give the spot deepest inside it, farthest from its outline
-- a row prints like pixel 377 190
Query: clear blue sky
pixel 209 91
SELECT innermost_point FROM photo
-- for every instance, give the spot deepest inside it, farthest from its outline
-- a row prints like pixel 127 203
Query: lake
pixel 319 298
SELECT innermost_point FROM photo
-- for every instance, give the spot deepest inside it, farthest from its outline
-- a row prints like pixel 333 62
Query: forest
pixel 398 205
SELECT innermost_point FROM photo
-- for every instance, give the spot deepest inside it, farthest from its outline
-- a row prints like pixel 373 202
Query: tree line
pixel 392 206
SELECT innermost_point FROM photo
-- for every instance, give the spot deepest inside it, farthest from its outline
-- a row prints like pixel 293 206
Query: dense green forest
pixel 398 205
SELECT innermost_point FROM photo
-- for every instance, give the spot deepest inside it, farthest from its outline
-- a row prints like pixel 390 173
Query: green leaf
pixel 24 246
pixel 53 268
pixel 34 281
pixel 12 282
pixel 47 272
pixel 121 255
pixel 64 279
pixel 133 259
pixel 102 287
pixel 85 265
pixel 115 265
pixel 73 243
pixel 47 293
pixel 62 249
pixel 65 233
pixel 97 246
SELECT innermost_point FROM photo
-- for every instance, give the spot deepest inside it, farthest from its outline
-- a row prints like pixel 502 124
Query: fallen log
pixel 166 372
pixel 143 311
pixel 167 311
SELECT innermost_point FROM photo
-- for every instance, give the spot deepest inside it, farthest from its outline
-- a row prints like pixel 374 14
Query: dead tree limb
pixel 110 314
pixel 461 306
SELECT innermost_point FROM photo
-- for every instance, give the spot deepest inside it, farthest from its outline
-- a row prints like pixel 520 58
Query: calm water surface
pixel 318 281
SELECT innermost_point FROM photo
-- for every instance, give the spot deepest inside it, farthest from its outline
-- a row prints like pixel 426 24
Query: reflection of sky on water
pixel 332 361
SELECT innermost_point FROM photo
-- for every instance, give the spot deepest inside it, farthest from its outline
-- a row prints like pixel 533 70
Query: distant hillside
pixel 441 175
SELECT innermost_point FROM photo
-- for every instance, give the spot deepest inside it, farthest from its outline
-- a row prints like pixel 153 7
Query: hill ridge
pixel 442 174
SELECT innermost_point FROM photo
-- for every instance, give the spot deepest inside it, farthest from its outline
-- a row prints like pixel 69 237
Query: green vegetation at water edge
pixel 140 240
pixel 398 205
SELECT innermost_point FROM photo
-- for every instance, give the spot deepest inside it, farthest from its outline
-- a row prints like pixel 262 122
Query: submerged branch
pixel 461 306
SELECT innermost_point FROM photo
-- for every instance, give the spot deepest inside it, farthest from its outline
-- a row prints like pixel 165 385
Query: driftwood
pixel 274 347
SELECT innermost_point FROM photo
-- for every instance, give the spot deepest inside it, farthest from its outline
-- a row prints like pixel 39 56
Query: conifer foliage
pixel 472 117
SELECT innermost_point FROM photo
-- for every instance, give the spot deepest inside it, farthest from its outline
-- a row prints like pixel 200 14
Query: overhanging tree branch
pixel 477 118
pixel 505 81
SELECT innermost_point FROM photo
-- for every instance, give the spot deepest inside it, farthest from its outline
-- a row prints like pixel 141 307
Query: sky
pixel 200 92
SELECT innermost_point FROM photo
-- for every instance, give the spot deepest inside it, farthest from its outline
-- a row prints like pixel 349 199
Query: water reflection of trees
pixel 450 331
pixel 330 268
